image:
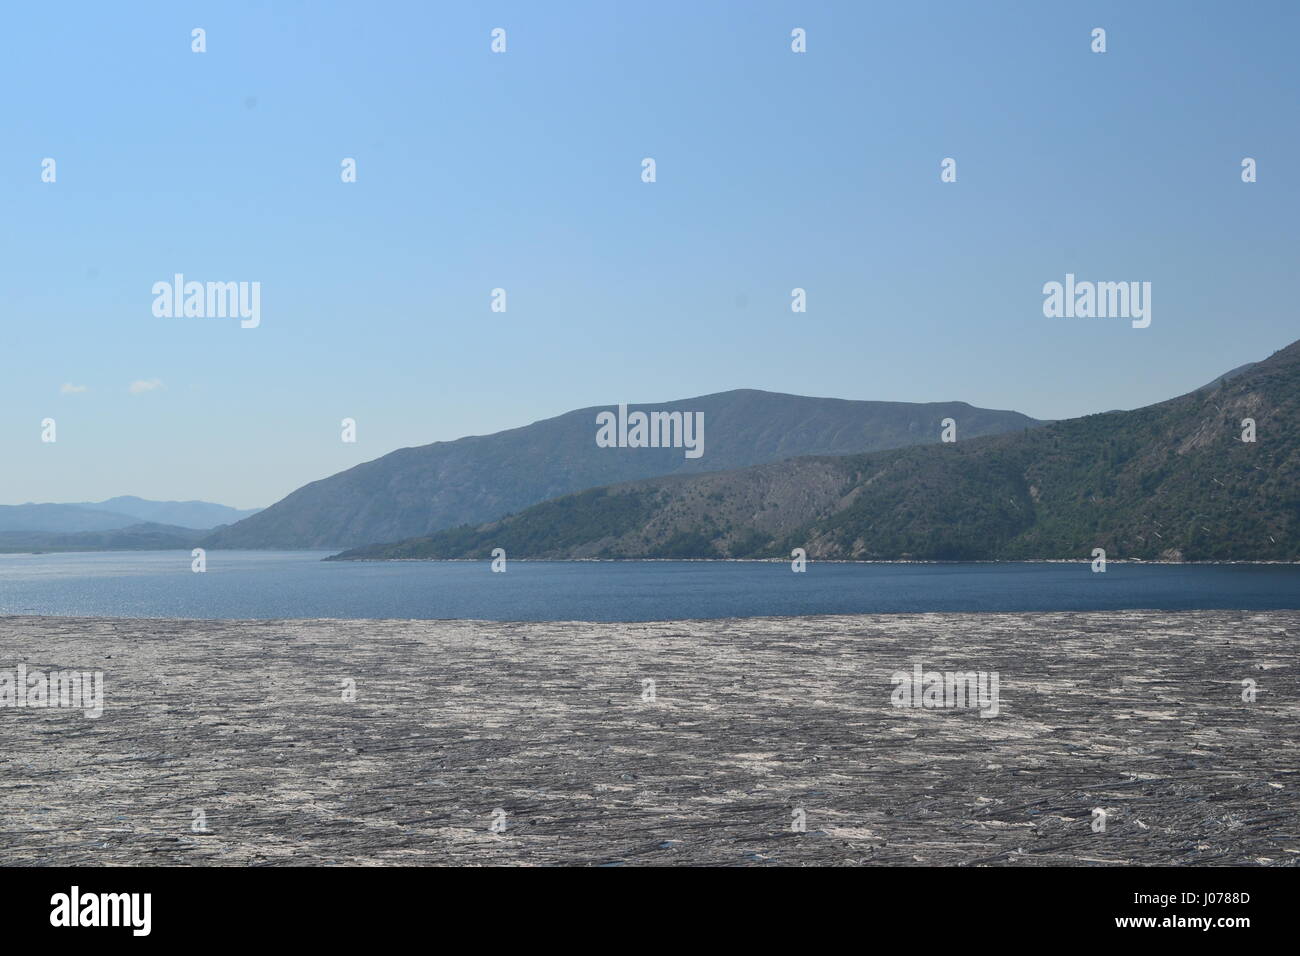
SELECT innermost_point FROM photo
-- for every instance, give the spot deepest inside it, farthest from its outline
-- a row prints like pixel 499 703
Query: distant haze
pixel 115 513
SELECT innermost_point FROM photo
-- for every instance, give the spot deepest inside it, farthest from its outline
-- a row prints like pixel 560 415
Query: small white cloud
pixel 69 389
pixel 140 386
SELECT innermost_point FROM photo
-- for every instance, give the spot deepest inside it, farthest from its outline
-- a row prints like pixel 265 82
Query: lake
pixel 297 584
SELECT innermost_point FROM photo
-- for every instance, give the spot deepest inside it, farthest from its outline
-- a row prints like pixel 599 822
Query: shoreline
pixel 1109 561
pixel 847 618
pixel 332 556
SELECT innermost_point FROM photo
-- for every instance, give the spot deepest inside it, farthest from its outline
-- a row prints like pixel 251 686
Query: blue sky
pixel 522 170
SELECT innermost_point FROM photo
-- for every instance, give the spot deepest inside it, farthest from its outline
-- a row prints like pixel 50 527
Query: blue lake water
pixel 280 584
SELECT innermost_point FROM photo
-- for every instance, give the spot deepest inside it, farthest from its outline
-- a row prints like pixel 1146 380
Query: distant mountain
pixel 136 537
pixel 414 491
pixel 186 514
pixel 1172 481
pixel 60 518
pixel 116 513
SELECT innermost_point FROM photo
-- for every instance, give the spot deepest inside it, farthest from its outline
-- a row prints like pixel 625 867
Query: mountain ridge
pixel 1170 481
pixel 415 490
pixel 144 536
pixel 199 515
pixel 116 513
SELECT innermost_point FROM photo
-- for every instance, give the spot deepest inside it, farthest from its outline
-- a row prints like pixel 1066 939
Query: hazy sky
pixel 522 170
